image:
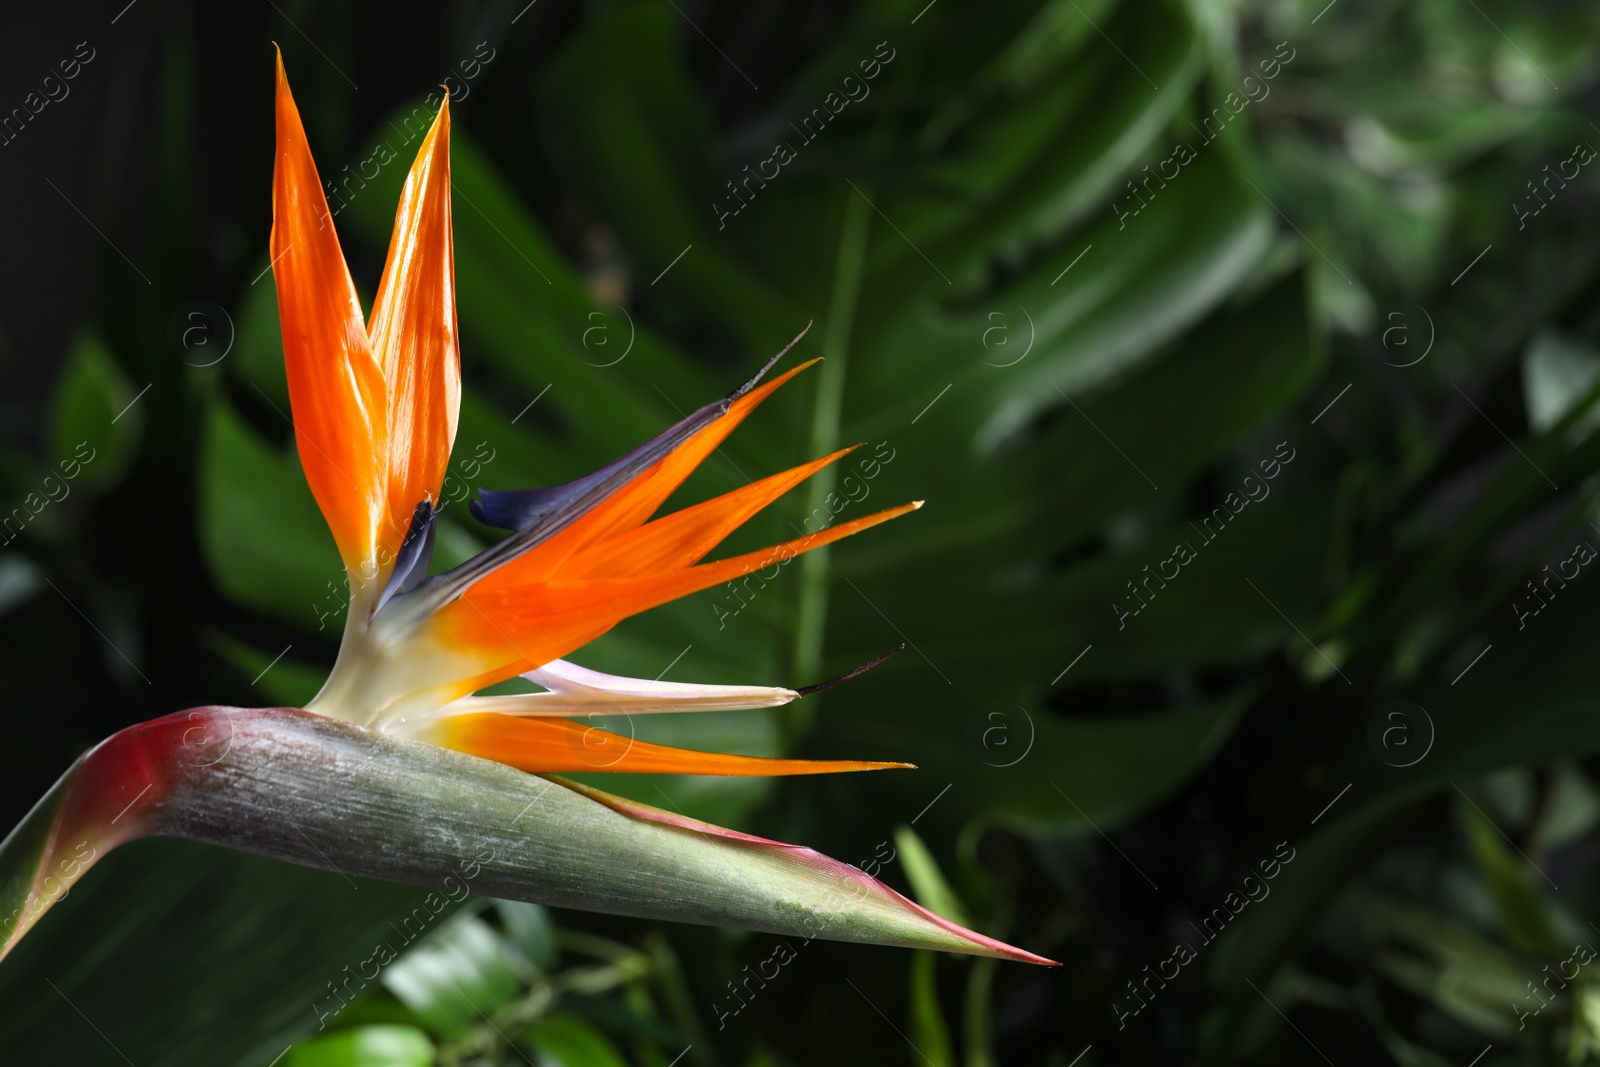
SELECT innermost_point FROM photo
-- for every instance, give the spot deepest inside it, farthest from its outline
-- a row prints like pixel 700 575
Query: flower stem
pixel 825 419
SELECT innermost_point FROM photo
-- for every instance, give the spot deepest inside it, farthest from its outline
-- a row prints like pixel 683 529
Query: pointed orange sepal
pixel 684 537
pixel 541 745
pixel 374 411
pixel 413 337
pixel 630 506
pixel 512 630
pixel 335 386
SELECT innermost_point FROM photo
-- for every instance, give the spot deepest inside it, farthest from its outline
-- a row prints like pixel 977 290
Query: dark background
pixel 1356 272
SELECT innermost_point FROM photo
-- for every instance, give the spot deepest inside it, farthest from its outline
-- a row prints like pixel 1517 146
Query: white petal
pixel 575 690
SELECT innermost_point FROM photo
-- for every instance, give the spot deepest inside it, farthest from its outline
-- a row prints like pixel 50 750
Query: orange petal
pixel 413 336
pixel 635 502
pixel 335 386
pixel 684 537
pixel 515 629
pixel 541 745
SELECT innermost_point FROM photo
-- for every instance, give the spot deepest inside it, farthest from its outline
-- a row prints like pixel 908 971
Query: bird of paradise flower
pixel 396 769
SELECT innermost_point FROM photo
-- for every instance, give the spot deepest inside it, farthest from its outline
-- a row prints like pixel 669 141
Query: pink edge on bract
pixel 108 797
pixel 634 809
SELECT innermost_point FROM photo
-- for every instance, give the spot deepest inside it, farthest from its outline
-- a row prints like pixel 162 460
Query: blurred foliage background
pixel 1246 354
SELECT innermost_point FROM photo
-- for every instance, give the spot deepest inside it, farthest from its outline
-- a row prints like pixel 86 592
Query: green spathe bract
pixel 294 786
